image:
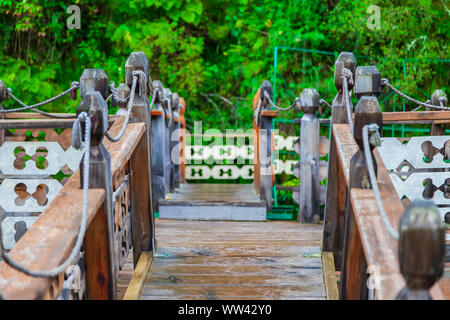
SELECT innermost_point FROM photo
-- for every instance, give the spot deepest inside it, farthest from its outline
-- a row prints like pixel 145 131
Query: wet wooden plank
pixel 235 260
pixel 329 276
pixel 139 276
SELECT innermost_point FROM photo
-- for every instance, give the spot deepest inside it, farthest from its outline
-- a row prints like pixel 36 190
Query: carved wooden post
pixel 256 167
pixel 353 270
pixel 3 96
pixel 182 141
pixel 142 220
pixel 333 227
pixel 175 141
pixel 158 145
pixel 265 147
pixel 438 98
pixel 309 157
pixel 168 165
pixel 421 249
pixel 100 260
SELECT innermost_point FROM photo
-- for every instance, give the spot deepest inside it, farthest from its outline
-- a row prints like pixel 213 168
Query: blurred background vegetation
pixel 208 50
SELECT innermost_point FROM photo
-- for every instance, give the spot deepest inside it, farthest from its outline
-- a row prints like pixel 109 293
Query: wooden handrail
pixel 371 239
pixel 48 242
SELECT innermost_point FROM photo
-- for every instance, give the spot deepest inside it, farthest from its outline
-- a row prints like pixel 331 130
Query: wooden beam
pixel 404 117
pixel 139 275
pixel 38 123
pixel 329 276
pixel 270 113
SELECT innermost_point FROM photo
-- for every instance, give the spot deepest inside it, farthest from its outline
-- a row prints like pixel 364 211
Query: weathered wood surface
pixel 380 249
pixel 214 193
pixel 139 275
pixel 342 148
pixel 235 260
pixel 52 236
pixel 405 117
pixel 213 202
pixel 329 276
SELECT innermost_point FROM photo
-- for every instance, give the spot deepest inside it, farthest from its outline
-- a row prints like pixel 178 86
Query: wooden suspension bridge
pixel 213 241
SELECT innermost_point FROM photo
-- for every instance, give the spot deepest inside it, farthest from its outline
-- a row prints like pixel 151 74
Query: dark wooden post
pixel 438 98
pixel 265 147
pixel 158 145
pixel 333 227
pixel 309 157
pixel 421 249
pixel 100 260
pixel 3 96
pixel 168 165
pixel 142 220
pixel 367 111
pixel 175 141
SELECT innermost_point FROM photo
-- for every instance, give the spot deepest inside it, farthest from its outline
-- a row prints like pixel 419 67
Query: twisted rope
pixel 295 103
pixel 385 83
pixel 169 121
pixel 257 112
pixel 115 96
pixel 375 141
pixel 76 248
pixel 347 78
pixel 75 85
pixel 136 75
pixel 322 101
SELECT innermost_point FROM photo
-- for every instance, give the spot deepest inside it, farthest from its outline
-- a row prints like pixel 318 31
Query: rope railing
pixel 132 98
pixel 75 85
pixel 385 83
pixel 347 79
pixel 371 137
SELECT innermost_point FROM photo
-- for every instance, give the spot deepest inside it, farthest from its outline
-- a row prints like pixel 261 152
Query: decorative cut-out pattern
pixel 14 154
pixel 13 228
pixel 26 195
pixel 395 153
pixel 418 170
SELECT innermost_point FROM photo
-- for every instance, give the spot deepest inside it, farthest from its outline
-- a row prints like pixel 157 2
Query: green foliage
pixel 223 47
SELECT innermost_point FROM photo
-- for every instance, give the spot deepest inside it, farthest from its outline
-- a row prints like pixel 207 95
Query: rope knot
pixel 347 74
pixel 384 82
pixel 142 82
pixel 374 135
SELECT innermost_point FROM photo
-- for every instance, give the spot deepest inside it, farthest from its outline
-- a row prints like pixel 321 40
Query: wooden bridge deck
pixel 235 260
pixel 200 201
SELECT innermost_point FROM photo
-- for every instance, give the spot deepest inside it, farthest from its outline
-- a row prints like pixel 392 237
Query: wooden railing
pixel 119 174
pixel 373 264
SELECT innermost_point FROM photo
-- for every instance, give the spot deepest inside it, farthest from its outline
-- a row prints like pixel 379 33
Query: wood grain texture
pixel 405 117
pixel 235 260
pixel 98 276
pixel 139 275
pixel 329 276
